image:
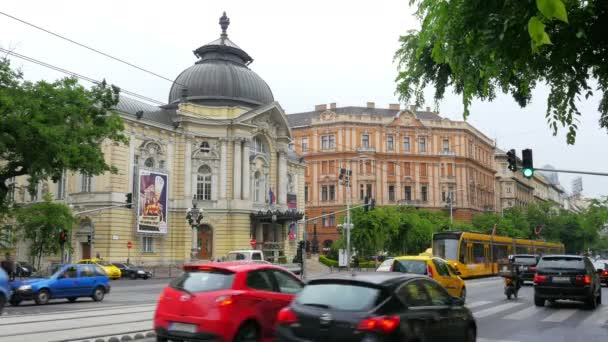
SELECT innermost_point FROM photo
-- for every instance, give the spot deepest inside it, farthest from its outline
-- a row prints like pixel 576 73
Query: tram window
pixel 463 253
pixel 446 248
pixel 521 250
pixel 478 253
pixel 500 253
pixel 540 251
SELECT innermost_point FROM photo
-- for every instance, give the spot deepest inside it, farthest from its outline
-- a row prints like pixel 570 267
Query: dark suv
pixel 526 263
pixel 570 277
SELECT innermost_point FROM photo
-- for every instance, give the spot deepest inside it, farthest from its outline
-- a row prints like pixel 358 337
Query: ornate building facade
pixel 398 157
pixel 221 143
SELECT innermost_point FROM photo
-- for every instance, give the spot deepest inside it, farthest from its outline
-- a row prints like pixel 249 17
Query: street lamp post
pixel 194 216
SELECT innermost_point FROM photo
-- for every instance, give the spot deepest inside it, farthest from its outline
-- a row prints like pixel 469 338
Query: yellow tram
pixel 478 255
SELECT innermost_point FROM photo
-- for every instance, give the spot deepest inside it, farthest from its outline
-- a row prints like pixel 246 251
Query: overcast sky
pixel 309 52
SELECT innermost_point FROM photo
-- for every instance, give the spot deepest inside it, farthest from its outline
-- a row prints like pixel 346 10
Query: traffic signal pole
pixel 348 224
pixel 572 171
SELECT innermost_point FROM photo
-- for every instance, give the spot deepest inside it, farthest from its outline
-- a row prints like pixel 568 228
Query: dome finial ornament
pixel 224 23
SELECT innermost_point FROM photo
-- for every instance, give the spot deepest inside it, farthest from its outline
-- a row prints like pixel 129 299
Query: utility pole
pixel 345 178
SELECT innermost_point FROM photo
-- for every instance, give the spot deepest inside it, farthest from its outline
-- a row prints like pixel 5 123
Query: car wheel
pixel 15 301
pixel 72 299
pixel 133 276
pixel 42 297
pixel 539 301
pixel 463 294
pixel 471 334
pixel 247 333
pixel 2 303
pixel 98 294
pixel 145 277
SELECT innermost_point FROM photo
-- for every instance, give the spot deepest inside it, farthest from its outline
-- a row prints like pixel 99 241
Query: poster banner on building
pixel 292 201
pixel 152 202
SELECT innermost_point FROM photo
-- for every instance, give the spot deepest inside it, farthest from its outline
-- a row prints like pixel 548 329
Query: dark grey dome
pixel 221 76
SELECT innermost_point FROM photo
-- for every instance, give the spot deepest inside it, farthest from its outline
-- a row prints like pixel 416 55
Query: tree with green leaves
pixel 41 223
pixel 46 128
pixel 480 48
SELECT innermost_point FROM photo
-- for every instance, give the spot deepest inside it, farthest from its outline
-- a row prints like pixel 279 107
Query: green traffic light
pixel 528 173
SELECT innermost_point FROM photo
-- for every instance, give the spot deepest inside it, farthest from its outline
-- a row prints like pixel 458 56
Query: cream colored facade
pixel 234 162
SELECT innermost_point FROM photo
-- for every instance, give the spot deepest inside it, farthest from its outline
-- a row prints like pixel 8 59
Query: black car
pixel 571 277
pixel 131 271
pixel 378 306
pixel 24 269
pixel 526 264
pixel 601 266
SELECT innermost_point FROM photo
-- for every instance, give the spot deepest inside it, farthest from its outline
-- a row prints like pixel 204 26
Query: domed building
pixel 209 172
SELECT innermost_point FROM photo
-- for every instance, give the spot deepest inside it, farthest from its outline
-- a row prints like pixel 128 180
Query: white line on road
pixel 525 313
pixel 477 303
pixel 73 315
pixel 598 317
pixel 560 315
pixel 496 309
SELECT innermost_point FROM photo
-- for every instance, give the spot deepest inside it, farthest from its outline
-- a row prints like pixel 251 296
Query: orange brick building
pixel 400 157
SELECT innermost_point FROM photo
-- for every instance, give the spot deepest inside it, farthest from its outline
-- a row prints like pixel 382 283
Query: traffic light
pixel 63 237
pixel 129 200
pixel 342 173
pixel 527 165
pixel 512 159
pixel 89 239
pixel 299 252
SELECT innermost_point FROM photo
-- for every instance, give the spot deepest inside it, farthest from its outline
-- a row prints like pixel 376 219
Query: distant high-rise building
pixel 553 177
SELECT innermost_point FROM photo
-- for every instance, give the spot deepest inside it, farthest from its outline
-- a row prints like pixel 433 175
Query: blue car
pixel 69 281
pixel 5 289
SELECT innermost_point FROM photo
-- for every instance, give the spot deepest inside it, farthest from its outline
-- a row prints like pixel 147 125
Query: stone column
pixel 282 181
pixel 237 169
pixel 188 171
pixel 246 170
pixel 223 183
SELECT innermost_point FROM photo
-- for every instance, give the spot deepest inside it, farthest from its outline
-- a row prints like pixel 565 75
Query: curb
pixel 134 336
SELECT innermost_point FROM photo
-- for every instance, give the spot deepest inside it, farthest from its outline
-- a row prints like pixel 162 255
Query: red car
pixel 224 301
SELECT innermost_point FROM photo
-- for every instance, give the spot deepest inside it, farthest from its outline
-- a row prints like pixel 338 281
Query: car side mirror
pixel 457 301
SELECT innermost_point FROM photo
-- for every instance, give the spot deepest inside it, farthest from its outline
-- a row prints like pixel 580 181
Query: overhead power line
pixel 82 77
pixel 90 48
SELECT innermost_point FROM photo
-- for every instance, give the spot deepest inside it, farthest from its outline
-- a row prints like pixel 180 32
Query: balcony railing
pixel 366 149
pixel 448 153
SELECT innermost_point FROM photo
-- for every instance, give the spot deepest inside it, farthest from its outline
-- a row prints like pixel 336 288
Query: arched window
pixel 258 145
pixel 258 183
pixel 205 147
pixel 203 183
pixel 149 162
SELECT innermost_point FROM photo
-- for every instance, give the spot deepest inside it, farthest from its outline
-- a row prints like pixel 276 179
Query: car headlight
pixel 24 287
pixel 141 272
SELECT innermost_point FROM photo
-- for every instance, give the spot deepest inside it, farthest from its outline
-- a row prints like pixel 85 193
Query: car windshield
pixel 601 265
pixel 525 260
pixel 203 281
pixel 562 262
pixel 386 265
pixel 339 296
pixel 103 263
pixel 410 266
pixel 236 256
pixel 446 249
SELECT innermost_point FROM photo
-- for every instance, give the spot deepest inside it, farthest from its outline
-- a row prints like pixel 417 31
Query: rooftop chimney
pixel 320 107
pixel 394 106
pixel 412 108
pixel 332 105
pixel 371 105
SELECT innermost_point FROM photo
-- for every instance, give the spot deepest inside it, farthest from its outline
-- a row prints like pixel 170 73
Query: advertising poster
pixel 152 202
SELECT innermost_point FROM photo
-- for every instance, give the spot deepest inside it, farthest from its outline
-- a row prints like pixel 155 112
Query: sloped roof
pixel 130 107
pixel 305 119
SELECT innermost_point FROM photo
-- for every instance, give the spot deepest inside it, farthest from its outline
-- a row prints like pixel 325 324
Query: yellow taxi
pixel 436 268
pixel 112 271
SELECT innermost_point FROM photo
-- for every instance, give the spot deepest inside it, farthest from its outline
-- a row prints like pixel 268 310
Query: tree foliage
pixel 481 47
pixel 41 223
pixel 46 128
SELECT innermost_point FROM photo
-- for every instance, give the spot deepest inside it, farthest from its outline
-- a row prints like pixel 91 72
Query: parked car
pixel 70 281
pixel 224 301
pixel 601 266
pixel 131 271
pixel 570 277
pixel 24 269
pixel 526 263
pixel 5 289
pixel 380 306
pixel 112 271
pixel 433 267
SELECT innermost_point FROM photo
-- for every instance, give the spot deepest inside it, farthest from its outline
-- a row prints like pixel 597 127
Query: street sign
pixel 129 245
pixel 253 243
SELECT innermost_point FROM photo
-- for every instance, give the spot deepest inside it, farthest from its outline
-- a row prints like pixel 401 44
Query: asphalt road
pixel 130 307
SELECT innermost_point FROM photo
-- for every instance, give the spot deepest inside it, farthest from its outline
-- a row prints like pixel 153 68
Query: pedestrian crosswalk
pixel 523 309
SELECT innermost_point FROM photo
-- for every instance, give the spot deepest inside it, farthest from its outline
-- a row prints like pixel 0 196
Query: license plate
pixel 561 279
pixel 190 328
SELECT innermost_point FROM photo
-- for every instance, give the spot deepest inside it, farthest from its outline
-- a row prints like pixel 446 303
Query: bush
pixel 333 263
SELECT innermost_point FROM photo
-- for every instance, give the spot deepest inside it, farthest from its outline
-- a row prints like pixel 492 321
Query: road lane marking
pixel 597 317
pixel 10 320
pixel 525 313
pixel 76 334
pixel 61 312
pixel 477 303
pixel 560 315
pixel 495 310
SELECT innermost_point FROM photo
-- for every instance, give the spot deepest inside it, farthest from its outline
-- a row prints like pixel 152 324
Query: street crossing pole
pixel 345 177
